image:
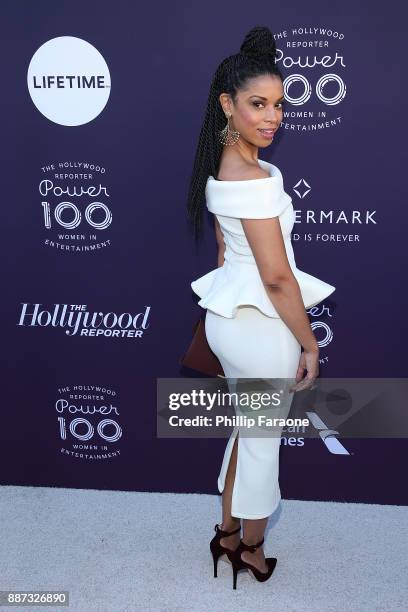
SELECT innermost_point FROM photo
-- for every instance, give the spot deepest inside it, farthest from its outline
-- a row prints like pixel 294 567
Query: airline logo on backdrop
pixel 327 435
pixel 68 81
pixel 77 320
pixel 88 423
pixel 312 58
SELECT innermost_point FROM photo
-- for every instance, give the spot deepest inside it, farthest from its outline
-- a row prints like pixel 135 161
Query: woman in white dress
pixel 256 322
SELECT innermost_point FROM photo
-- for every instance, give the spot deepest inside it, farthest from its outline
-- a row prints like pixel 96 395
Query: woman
pixel 256 322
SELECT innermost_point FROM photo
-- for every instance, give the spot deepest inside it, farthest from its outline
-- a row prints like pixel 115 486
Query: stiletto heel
pixel 215 560
pixel 238 563
pixel 217 549
pixel 235 574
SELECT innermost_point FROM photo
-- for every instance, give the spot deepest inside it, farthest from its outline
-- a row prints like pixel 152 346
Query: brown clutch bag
pixel 199 356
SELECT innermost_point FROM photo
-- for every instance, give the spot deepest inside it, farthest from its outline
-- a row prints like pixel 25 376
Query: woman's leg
pixel 230 522
pixel 251 346
pixel 254 529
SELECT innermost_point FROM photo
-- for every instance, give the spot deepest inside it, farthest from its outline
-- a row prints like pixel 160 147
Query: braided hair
pixel 257 56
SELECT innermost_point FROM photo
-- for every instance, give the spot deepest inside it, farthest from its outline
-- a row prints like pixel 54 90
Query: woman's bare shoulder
pixel 240 171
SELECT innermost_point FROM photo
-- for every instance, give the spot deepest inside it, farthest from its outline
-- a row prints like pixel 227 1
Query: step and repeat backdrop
pixel 102 107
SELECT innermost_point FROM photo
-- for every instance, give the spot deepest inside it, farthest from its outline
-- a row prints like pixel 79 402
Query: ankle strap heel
pixel 217 549
pixel 251 547
pixel 223 534
pixel 238 563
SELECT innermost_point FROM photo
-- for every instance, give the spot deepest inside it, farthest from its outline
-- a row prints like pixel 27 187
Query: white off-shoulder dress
pixel 244 329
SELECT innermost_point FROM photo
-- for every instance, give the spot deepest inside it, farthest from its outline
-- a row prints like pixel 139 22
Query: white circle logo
pixel 68 80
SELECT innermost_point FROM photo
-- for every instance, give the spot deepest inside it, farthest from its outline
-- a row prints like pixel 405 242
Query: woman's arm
pixel 266 241
pixel 220 242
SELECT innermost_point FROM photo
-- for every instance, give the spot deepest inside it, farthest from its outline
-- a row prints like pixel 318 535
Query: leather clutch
pixel 199 356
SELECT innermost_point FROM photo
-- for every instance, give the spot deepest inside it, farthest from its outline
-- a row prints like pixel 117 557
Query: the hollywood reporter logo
pixel 322 326
pixel 313 63
pixel 77 320
pixel 48 190
pixel 81 427
pixel 88 422
pixel 314 77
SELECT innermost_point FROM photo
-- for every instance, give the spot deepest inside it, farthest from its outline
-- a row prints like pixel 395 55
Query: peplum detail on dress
pixel 223 289
pixel 238 282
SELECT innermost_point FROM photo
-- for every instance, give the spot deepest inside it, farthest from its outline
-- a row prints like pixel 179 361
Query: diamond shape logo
pixel 302 188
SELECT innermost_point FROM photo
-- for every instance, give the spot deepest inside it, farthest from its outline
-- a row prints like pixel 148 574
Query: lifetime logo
pixel 70 81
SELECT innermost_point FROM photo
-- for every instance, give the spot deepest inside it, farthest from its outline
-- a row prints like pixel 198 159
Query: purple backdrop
pixel 94 189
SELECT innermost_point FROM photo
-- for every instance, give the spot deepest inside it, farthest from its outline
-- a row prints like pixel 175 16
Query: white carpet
pixel 117 551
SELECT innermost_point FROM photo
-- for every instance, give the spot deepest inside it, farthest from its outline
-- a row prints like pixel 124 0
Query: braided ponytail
pixel 257 56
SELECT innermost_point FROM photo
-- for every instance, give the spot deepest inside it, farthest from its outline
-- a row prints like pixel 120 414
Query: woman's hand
pixel 309 360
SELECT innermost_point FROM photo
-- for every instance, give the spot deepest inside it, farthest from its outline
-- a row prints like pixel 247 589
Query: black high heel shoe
pixel 238 563
pixel 218 549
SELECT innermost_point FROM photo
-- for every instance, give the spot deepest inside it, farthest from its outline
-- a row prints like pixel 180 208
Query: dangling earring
pixel 228 136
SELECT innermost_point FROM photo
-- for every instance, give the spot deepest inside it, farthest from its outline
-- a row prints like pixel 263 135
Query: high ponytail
pixel 257 56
